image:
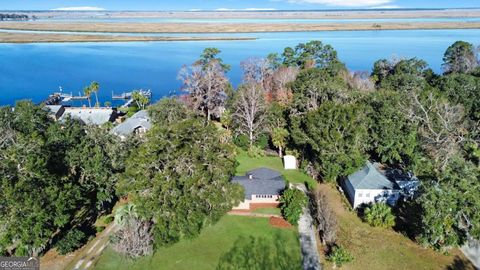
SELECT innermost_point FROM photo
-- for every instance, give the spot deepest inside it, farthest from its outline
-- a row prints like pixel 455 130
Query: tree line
pixel 13 17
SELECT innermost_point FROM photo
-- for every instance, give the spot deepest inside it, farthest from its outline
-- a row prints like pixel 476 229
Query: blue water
pixel 256 20
pixel 32 71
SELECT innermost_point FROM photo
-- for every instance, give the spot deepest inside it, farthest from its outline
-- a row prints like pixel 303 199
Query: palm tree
pixel 87 91
pixel 95 87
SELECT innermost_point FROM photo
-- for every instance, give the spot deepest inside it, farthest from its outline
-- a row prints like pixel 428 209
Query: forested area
pixel 57 178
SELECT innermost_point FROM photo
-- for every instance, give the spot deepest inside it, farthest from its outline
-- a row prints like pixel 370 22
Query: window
pixel 367 195
pixel 360 195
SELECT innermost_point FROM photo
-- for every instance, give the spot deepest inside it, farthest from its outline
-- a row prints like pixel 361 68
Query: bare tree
pixel 325 218
pixel 206 86
pixel 281 78
pixel 250 110
pixel 442 126
pixel 134 239
pixel 360 80
pixel 258 71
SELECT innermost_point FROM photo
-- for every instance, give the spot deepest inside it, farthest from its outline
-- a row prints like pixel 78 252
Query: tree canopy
pixel 180 179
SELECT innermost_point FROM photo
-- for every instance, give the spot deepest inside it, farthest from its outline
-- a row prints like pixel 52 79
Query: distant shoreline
pixel 265 14
pixel 66 38
pixel 198 28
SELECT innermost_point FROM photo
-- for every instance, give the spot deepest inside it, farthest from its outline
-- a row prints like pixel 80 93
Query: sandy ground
pixel 227 28
pixel 339 14
pixel 45 38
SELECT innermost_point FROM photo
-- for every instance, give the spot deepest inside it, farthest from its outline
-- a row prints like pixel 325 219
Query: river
pixel 32 71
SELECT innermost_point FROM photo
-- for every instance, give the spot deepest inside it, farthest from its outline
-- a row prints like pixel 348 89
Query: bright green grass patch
pixel 268 211
pixel 204 252
pixel 247 163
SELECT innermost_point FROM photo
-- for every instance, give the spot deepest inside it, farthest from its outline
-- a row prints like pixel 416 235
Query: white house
pixel 370 185
pixel 262 186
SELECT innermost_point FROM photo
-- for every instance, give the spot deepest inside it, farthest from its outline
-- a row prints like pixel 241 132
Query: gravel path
pixel 308 240
pixel 85 260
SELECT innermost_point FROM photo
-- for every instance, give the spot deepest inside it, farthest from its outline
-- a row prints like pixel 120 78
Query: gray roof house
pixel 138 123
pixel 262 186
pixel 373 184
pixel 55 111
pixel 90 116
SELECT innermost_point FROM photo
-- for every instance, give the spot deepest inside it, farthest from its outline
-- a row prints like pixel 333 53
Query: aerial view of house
pixel 262 186
pixel 373 184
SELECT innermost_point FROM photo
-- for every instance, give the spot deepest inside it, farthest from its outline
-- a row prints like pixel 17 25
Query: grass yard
pixel 384 249
pixel 268 211
pixel 205 251
pixel 247 163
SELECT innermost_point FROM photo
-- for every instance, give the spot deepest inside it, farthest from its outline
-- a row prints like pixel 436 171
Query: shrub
pixel 71 241
pixel 134 239
pixel 262 141
pixel 255 152
pixel 379 215
pixel 339 256
pixel 292 203
pixel 242 141
pixel 100 229
pixel 108 219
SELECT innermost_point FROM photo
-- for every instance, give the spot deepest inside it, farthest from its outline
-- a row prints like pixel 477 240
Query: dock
pixel 128 95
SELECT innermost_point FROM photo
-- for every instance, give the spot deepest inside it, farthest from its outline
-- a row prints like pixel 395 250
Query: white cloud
pixel 344 3
pixel 79 9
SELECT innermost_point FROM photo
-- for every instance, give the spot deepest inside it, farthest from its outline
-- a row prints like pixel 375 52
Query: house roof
pixel 54 109
pixel 140 119
pixel 369 177
pixel 263 181
pixel 90 116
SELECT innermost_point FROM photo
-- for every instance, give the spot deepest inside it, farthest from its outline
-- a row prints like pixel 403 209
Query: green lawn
pixel 247 163
pixel 382 249
pixel 269 211
pixel 205 251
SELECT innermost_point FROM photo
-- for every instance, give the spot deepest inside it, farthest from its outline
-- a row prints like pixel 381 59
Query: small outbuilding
pixel 290 162
pixel 263 187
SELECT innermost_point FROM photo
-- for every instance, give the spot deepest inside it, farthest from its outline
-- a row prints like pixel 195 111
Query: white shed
pixel 290 162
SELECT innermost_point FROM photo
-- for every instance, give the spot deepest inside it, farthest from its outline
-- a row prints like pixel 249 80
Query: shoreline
pixel 21 38
pixel 198 28
pixel 274 14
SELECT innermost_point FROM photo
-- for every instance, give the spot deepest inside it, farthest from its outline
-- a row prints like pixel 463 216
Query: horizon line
pixel 240 10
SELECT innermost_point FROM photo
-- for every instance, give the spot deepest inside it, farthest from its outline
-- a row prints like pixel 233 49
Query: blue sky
pixel 230 4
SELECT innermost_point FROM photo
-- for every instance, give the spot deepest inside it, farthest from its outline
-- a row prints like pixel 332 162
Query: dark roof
pixel 369 177
pixel 263 181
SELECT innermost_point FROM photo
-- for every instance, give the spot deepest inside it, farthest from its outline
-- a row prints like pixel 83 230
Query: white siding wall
pixel 260 199
pixel 371 195
pixel 245 205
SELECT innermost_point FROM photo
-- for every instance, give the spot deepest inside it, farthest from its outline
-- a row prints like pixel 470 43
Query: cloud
pixel 79 9
pixel 344 3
